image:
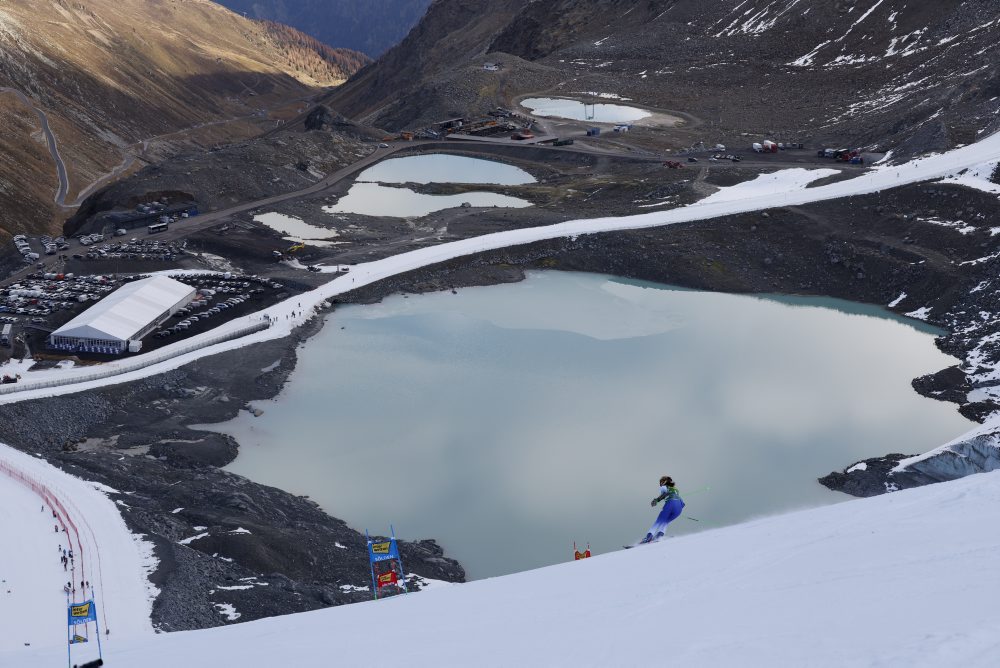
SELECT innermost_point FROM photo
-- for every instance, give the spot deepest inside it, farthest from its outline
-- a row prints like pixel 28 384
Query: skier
pixel 672 507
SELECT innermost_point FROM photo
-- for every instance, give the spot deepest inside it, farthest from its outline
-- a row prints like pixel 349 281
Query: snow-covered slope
pixel 905 579
pixel 112 560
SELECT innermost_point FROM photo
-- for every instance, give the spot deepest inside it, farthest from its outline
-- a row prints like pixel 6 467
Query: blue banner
pixel 81 613
pixel 383 551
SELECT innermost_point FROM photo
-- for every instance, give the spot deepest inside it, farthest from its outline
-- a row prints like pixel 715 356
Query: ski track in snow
pixel 905 579
pixel 113 560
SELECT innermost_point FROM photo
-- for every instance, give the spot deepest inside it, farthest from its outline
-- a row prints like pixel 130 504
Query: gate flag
pixel 81 613
pixel 383 551
pixel 386 579
pixel 78 618
pixel 385 562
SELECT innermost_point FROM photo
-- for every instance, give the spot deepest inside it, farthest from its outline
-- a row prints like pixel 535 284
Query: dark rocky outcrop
pixel 319 118
pixel 870 477
pixel 977 454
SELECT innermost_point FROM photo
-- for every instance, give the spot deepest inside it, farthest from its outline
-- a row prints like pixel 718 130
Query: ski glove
pixel 653 502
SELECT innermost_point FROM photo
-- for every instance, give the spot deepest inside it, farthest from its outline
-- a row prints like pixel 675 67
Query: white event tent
pixel 124 317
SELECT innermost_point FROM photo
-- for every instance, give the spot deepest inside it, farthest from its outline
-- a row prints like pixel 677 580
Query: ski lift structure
pixel 589 111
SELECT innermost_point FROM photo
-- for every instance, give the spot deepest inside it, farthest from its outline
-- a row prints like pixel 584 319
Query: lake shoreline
pixel 554 356
pixel 809 250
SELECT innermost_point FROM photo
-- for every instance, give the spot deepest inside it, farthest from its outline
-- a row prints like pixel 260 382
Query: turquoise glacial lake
pixel 509 421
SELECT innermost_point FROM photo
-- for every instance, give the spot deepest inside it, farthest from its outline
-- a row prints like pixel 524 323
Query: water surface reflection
pixel 509 421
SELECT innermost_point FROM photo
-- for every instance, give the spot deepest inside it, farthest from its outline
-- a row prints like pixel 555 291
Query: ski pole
pixel 695 519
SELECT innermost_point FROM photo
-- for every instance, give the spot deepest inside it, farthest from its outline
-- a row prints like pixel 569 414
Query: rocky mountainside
pixel 308 55
pixel 91 91
pixel 428 65
pixel 909 74
pixel 369 26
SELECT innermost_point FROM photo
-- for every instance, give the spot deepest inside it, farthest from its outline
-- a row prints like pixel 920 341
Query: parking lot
pixel 220 297
pixel 43 302
pixel 133 249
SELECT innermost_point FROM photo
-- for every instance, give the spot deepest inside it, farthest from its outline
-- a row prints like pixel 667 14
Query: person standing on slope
pixel 672 507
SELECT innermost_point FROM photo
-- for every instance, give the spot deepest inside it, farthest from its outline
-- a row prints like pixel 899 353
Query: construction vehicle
pixel 296 248
pixel 406 136
pixel 563 142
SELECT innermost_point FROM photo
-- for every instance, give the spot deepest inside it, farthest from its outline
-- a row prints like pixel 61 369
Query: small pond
pixel 374 199
pixel 509 421
pixel 370 198
pixel 444 168
pixel 575 110
pixel 297 230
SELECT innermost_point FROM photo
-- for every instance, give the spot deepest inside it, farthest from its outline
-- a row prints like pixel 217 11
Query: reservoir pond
pixel 576 110
pixel 297 230
pixel 375 199
pixel 368 196
pixel 509 421
pixel 445 168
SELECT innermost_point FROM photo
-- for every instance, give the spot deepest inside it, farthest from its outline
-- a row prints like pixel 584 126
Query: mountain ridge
pixel 881 73
pixel 142 80
pixel 369 26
